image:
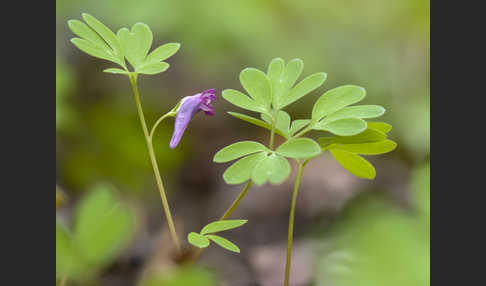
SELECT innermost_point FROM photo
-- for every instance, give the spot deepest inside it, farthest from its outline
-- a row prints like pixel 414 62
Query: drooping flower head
pixel 190 105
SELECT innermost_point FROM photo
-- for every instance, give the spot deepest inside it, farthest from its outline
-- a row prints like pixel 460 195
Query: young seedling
pixel 202 238
pixel 268 94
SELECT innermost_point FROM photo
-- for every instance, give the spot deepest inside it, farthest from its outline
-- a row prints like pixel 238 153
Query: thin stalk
pixel 226 215
pixel 305 130
pixel 160 185
pixel 291 222
pixel 168 114
pixel 272 132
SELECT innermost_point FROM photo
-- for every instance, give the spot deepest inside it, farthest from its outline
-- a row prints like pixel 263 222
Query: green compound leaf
pixel 136 43
pixel 107 35
pixel 336 99
pixel 115 71
pixel 197 240
pixel 153 68
pixel 162 53
pixel 355 164
pixel 344 127
pixel 256 122
pixel 306 86
pixel 273 168
pixel 103 226
pixel 241 170
pixel 371 148
pixel 380 126
pixel 224 243
pixel 241 100
pixel 67 262
pixel 300 148
pixel 297 125
pixel 257 85
pixel 222 225
pixel 237 150
pixel 283 122
pixel 358 111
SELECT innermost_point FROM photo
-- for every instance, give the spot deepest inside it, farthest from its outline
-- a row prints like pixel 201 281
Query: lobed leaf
pixel 153 68
pixel 300 148
pixel 162 53
pixel 257 85
pixel 106 34
pixel 355 164
pixel 241 100
pixel 224 243
pixel 136 43
pixel 273 168
pixel 370 148
pixel 380 126
pixel 336 99
pixel 92 49
pixel 237 150
pixel 344 127
pixel 241 170
pixel 197 240
pixel 306 86
pixel 82 30
pixel 358 111
pixel 222 225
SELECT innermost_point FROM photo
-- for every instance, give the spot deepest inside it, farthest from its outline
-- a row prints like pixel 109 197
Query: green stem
pixel 305 130
pixel 291 222
pixel 160 185
pixel 226 215
pixel 272 133
pixel 168 114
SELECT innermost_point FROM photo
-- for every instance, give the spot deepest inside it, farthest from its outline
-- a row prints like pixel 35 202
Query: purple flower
pixel 190 105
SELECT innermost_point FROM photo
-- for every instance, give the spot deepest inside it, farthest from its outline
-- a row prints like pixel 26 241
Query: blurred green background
pixel 348 231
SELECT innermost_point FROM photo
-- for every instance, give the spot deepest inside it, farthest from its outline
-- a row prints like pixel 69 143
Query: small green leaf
pixel 136 43
pixel 222 225
pixel 273 168
pixel 306 86
pixel 297 125
pixel 163 52
pixel 293 69
pixel 241 100
pixel 102 226
pixel 283 122
pixel 257 85
pixel 256 122
pixel 153 68
pixel 358 111
pixel 355 164
pixel 92 49
pixel 300 148
pixel 345 127
pixel 274 73
pixel 67 262
pixel 380 126
pixel 369 135
pixel 115 71
pixel 82 30
pixel 372 148
pixel 237 150
pixel 241 170
pixel 336 99
pixel 197 240
pixel 106 34
pixel 224 243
